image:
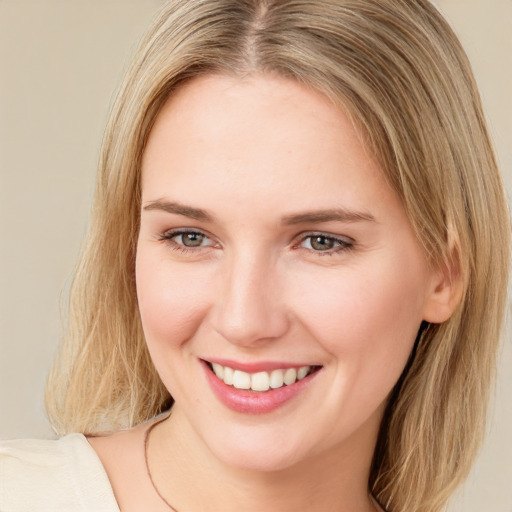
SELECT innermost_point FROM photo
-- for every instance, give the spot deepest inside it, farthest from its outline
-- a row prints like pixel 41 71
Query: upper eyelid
pixel 304 234
pixel 177 231
pixel 341 238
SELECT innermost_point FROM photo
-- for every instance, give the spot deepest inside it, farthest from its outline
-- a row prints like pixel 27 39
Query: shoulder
pixel 53 475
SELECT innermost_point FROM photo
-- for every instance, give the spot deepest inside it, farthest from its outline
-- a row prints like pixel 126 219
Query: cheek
pixel 367 318
pixel 171 300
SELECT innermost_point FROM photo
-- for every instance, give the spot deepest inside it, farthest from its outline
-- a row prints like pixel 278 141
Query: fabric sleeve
pixel 51 476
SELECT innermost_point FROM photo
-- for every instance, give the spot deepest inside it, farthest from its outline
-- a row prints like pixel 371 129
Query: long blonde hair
pixel 400 72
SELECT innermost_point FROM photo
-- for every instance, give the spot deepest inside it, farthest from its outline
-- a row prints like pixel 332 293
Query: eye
pixel 323 243
pixel 190 239
pixel 187 239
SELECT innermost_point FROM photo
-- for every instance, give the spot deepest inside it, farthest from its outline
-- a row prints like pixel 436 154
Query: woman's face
pixel 271 247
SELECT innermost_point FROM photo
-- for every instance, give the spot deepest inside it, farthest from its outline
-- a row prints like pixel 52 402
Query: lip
pixel 261 366
pixel 253 402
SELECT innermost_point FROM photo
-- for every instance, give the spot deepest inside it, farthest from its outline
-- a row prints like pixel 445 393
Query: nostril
pixel 249 327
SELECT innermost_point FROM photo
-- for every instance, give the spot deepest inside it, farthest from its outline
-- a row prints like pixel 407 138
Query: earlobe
pixel 446 289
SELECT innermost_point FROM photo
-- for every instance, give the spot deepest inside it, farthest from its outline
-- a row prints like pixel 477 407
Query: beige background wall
pixel 60 62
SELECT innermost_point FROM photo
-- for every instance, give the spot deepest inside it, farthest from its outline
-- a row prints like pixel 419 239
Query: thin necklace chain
pixel 148 470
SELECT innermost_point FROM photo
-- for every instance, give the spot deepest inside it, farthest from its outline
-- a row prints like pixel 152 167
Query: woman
pixel 300 244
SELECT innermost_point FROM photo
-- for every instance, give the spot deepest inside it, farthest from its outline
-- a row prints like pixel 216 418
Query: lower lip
pixel 254 402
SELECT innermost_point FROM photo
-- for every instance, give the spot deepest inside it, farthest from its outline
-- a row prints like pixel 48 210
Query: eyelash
pixel 341 244
pixel 169 236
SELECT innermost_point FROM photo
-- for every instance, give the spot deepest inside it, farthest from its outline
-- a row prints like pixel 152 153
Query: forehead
pixel 243 139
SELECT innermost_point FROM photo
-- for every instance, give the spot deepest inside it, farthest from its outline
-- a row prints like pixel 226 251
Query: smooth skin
pixel 269 233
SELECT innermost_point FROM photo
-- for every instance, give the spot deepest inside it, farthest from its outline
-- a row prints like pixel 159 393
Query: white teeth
pixel 228 375
pixel 241 380
pixel 302 372
pixel 276 379
pixel 219 370
pixel 290 376
pixel 260 381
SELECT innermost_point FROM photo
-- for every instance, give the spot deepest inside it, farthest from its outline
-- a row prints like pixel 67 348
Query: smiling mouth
pixel 261 381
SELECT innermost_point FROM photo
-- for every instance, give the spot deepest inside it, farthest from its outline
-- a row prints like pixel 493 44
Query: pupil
pixel 322 243
pixel 192 239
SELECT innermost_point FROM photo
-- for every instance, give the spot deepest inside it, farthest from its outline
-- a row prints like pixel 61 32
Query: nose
pixel 250 309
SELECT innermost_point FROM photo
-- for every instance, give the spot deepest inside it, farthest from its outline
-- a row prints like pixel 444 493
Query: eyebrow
pixel 180 209
pixel 311 217
pixel 336 214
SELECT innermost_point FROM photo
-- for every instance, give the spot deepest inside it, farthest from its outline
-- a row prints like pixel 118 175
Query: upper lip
pixel 258 366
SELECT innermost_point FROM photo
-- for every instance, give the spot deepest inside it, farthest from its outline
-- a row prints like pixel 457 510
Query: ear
pixel 446 289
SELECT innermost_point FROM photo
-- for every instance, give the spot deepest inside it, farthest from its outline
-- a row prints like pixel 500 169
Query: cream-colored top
pixel 49 476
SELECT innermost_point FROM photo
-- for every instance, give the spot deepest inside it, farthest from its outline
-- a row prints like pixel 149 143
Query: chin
pixel 258 451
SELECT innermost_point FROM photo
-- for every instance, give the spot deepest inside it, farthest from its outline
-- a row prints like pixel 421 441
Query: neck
pixel 182 464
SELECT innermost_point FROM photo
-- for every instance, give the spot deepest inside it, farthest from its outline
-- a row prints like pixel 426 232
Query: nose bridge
pixel 250 310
